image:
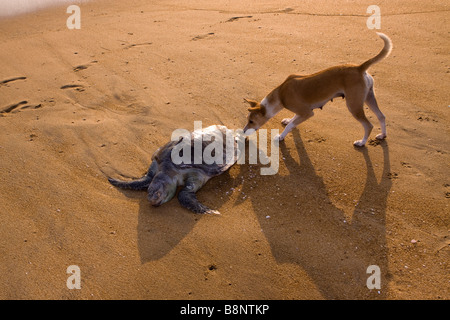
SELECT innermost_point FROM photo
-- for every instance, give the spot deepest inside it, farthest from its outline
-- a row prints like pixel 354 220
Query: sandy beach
pixel 80 105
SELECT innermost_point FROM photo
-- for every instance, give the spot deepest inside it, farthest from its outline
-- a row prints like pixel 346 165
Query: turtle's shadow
pixel 160 229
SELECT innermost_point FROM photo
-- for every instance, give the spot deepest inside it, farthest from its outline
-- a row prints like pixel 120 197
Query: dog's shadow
pixel 309 230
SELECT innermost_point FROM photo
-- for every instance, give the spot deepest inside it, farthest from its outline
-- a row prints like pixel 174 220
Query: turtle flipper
pixel 188 199
pixel 139 184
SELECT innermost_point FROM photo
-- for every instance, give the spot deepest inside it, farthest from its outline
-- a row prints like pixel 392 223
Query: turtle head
pixel 161 189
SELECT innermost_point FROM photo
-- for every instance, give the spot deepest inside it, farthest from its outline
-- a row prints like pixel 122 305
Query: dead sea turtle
pixel 188 163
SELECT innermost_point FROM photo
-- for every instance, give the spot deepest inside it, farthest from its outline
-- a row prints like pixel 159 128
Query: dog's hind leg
pixel 356 107
pixel 371 101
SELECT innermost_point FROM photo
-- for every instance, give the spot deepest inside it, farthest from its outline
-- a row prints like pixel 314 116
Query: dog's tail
pixel 383 53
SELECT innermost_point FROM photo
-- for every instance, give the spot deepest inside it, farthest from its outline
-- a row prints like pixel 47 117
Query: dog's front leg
pixel 286 121
pixel 295 121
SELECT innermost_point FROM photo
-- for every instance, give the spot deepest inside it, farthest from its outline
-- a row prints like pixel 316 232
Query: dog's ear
pixel 252 103
pixel 260 109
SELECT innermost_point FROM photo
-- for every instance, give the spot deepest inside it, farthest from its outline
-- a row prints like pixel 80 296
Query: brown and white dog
pixel 302 94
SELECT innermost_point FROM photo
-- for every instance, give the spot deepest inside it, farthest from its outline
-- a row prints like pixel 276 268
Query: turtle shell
pixel 212 151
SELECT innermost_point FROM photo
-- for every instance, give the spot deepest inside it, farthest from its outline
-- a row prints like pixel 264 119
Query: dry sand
pixel 98 101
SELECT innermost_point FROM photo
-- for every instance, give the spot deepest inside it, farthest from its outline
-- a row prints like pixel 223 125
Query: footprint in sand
pixel 80 67
pixel 84 66
pixel 447 187
pixel 237 18
pixel 392 175
pixel 77 87
pixel 19 105
pixel 4 82
pixel 202 36
pixel 137 45
pixel 374 142
pixel 12 107
pixel 405 164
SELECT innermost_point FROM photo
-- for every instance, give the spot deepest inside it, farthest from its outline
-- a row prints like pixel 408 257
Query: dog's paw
pixel 285 121
pixel 278 137
pixel 380 136
pixel 359 143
